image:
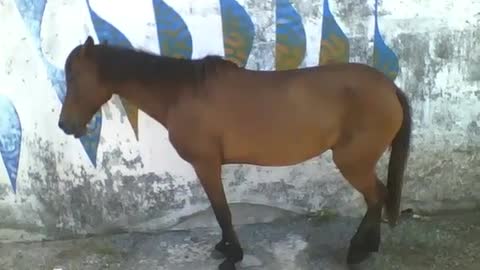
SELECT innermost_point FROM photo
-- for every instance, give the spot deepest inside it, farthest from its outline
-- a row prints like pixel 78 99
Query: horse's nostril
pixel 60 124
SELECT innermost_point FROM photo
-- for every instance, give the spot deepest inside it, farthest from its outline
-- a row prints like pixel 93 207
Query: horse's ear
pixel 88 42
pixel 87 45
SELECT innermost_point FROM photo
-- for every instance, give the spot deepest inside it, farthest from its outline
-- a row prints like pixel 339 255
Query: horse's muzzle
pixel 69 129
pixel 61 125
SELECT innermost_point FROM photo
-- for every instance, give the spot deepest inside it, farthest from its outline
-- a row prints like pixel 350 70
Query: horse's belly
pixel 284 132
pixel 276 149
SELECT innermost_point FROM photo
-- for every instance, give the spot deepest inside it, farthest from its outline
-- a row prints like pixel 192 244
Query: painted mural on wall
pixel 334 47
pixel 175 39
pixel 238 32
pixel 291 41
pixel 10 139
pixel 384 58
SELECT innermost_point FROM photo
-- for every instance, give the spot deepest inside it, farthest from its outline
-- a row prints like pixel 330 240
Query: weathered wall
pixel 53 185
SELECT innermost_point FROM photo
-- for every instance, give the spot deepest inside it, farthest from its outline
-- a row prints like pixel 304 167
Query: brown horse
pixel 218 113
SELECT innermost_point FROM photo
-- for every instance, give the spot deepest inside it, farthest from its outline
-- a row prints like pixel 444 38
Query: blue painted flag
pixel 174 38
pixel 384 59
pixel 335 47
pixel 291 41
pixel 10 139
pixel 238 32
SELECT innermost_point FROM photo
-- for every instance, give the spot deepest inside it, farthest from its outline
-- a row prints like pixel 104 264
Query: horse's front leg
pixel 209 174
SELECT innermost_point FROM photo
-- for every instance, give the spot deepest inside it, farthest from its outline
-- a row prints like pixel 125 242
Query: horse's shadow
pixel 328 245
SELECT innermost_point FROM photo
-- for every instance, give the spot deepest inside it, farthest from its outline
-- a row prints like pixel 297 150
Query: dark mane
pixel 123 64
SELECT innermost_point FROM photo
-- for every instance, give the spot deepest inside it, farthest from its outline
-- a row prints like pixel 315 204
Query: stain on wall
pixel 76 203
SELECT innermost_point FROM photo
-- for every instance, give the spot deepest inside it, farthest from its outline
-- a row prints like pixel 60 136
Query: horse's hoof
pixel 232 252
pixel 357 255
pixel 226 265
pixel 368 241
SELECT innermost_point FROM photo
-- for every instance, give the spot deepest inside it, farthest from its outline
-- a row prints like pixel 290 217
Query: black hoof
pixel 367 241
pixel 226 265
pixel 230 251
pixel 356 255
pixel 362 245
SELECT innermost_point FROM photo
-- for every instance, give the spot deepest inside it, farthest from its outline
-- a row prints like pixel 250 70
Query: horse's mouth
pixel 77 133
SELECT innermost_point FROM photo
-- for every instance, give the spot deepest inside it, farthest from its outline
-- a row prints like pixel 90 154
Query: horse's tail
pixel 398 160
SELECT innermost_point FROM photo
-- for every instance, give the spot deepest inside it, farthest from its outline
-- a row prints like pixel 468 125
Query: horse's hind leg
pixel 208 172
pixel 357 165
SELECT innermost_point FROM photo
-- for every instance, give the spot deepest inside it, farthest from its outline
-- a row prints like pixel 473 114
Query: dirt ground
pixel 290 242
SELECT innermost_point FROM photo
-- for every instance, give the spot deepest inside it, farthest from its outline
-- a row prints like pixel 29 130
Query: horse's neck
pixel 153 100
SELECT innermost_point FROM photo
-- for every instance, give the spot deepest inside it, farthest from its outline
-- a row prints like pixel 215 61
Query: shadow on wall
pixel 175 40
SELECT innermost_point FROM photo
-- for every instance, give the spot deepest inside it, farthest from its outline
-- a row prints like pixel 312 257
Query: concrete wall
pixel 125 174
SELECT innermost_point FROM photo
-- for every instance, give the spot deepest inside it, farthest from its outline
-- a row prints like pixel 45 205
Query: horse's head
pixel 85 93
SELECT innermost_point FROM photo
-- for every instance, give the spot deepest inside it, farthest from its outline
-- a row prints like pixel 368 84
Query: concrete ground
pixel 288 242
